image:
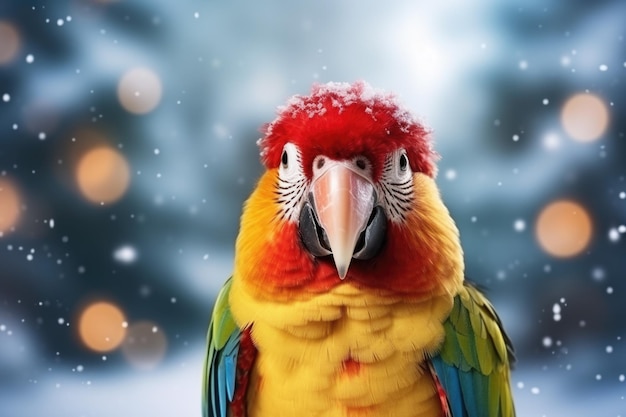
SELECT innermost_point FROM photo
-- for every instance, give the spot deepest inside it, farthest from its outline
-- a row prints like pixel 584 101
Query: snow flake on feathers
pixel 343 95
pixel 340 117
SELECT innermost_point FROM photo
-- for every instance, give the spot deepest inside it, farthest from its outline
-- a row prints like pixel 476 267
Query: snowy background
pixel 127 146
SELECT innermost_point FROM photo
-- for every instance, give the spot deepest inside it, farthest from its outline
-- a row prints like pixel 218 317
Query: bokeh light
pixel 125 254
pixel 585 117
pixel 145 345
pixel 102 326
pixel 9 42
pixel 139 90
pixel 9 206
pixel 564 228
pixel 103 175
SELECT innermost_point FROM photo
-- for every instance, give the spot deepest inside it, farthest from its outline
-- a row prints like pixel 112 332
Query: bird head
pixel 348 196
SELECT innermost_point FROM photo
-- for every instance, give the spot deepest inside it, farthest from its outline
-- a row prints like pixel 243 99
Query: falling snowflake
pixel 125 254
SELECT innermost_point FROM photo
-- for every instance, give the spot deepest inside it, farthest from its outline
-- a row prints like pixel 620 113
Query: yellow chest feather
pixel 344 353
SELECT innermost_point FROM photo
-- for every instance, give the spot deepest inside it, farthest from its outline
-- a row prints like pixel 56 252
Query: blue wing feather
pixel 474 402
pixel 230 366
pixel 221 391
pixel 449 378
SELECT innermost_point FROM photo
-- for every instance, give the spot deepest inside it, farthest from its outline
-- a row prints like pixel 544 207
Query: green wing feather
pixel 222 322
pixel 218 380
pixel 475 359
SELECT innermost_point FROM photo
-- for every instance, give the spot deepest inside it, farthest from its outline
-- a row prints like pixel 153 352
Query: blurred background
pixel 127 147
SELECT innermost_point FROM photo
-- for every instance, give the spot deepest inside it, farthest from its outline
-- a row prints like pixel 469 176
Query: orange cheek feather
pixel 403 266
pixel 269 256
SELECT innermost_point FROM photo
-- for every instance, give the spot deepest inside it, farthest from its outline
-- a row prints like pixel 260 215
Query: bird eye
pixel 290 162
pixel 404 162
pixel 284 159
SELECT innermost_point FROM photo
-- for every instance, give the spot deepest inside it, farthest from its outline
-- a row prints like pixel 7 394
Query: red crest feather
pixel 342 120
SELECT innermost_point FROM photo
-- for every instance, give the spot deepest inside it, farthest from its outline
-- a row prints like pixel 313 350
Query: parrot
pixel 348 294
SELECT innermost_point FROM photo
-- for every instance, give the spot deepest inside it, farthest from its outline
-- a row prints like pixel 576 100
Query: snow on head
pixel 344 119
pixel 342 95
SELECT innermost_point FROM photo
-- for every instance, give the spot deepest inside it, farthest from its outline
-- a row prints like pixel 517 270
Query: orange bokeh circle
pixel 564 229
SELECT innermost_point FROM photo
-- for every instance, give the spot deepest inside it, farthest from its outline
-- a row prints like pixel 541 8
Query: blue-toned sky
pixel 128 136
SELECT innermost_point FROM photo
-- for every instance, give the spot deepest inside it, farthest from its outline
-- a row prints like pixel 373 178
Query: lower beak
pixel 343 202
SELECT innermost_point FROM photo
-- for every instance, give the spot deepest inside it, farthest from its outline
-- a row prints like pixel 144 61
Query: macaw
pixel 348 296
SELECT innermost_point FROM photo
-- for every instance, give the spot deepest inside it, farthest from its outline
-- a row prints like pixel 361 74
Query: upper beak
pixel 343 201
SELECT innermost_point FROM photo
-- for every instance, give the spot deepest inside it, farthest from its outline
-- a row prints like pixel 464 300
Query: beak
pixel 342 202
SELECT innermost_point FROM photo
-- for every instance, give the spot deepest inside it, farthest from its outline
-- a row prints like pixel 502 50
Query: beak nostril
pixel 320 163
pixel 361 164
